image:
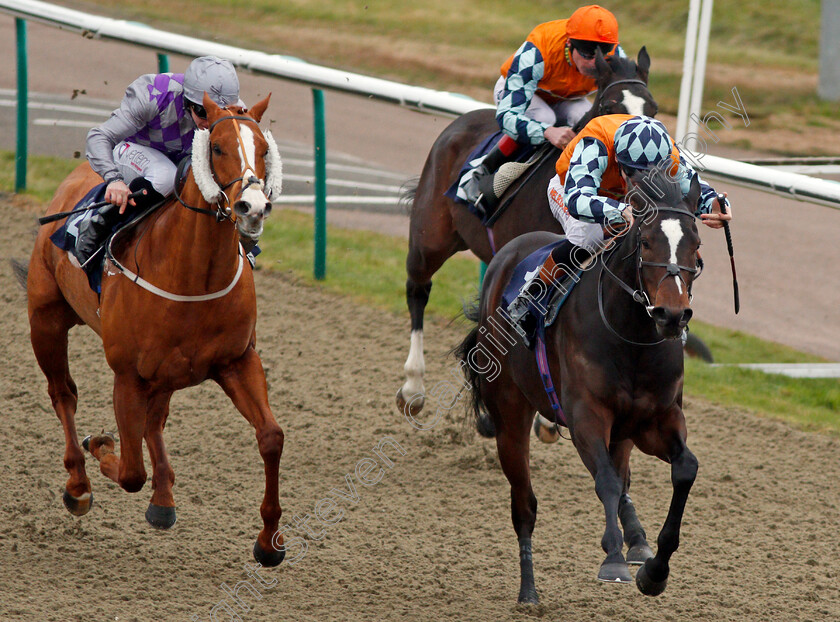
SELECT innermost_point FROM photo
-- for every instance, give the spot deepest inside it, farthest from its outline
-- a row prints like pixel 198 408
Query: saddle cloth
pixel 504 177
pixel 65 236
pixel 542 311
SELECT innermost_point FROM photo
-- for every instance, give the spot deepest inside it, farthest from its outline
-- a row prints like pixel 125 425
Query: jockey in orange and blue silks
pixel 591 181
pixel 541 92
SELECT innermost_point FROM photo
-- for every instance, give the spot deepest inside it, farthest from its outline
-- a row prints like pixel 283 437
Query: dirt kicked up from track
pixel 432 540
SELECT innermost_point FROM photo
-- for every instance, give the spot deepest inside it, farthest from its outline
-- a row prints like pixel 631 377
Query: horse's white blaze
pixel 253 195
pixel 415 366
pixel 634 104
pixel 674 232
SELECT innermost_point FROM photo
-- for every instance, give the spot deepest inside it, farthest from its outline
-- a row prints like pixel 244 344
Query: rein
pixel 640 295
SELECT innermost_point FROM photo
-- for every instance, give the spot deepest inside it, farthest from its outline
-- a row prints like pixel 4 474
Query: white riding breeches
pixel 587 235
pixel 135 160
pixel 565 112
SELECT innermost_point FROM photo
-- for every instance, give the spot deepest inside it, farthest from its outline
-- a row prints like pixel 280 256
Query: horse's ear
pixel 643 64
pixel 210 106
pixel 693 195
pixel 259 108
pixel 601 65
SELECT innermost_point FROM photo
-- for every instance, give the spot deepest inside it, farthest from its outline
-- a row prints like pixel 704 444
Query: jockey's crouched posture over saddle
pixel 139 146
pixel 593 175
pixel 542 90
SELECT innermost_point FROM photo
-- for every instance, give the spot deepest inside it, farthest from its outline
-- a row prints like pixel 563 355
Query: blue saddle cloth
pixel 65 237
pixel 549 302
pixel 483 148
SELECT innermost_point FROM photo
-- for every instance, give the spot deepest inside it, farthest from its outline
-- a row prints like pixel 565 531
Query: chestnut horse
pixel 616 363
pixel 189 316
pixel 440 227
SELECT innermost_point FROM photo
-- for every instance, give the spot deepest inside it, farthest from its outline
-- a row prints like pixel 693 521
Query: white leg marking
pixel 673 231
pixel 415 366
pixel 634 104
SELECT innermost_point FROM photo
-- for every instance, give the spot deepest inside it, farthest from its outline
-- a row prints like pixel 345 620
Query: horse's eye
pixel 216 149
pixel 645 243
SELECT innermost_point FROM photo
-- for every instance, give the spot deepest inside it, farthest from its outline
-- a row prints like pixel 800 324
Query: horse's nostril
pixel 686 318
pixel 659 315
pixel 241 208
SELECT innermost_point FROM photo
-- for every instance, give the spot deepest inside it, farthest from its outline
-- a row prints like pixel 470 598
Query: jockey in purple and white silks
pixel 139 146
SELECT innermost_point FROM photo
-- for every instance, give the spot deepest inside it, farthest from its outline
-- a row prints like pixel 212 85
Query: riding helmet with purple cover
pixel 641 142
pixel 214 75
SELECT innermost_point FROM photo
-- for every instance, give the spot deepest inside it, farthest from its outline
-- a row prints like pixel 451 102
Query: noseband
pixel 639 294
pixel 222 213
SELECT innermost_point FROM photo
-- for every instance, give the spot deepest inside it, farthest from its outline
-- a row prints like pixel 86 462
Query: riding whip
pixel 722 201
pixel 59 215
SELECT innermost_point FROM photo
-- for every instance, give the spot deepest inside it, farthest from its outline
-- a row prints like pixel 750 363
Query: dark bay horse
pixel 440 227
pixel 616 363
pixel 190 315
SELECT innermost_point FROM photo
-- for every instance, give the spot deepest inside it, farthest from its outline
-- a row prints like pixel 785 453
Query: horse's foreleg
pixel 161 510
pixel 653 576
pixel 49 327
pixel 412 394
pixel 244 382
pixel 130 405
pixel 512 441
pixel 609 487
pixel 634 534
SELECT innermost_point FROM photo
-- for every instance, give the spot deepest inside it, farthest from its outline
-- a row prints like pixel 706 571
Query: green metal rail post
pixel 320 185
pixel 22 106
pixel 163 63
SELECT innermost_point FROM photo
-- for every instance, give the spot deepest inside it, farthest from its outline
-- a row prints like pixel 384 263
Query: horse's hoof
pixel 614 572
pixel 78 506
pixel 270 558
pixel 411 407
pixel 528 597
pixel 648 586
pixel 86 442
pixel 160 517
pixel 639 554
pixel 545 430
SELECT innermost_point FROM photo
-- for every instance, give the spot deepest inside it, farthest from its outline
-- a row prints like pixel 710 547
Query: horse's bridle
pixel 600 102
pixel 223 212
pixel 640 295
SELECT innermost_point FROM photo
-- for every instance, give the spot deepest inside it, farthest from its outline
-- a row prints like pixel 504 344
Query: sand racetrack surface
pixel 432 540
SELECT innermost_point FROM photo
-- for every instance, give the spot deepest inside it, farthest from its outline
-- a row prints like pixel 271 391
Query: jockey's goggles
pixel 199 110
pixel 587 49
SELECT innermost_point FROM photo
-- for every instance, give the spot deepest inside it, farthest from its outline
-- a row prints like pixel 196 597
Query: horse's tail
pixel 408 191
pixel 483 423
pixel 21 271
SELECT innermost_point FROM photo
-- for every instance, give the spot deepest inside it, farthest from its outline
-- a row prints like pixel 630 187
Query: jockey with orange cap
pixel 586 195
pixel 541 91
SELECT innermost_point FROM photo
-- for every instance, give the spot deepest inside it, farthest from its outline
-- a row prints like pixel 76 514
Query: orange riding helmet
pixel 593 23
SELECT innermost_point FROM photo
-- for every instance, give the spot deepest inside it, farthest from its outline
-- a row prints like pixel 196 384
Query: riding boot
pixel 151 197
pixel 564 259
pixel 94 230
pixel 479 185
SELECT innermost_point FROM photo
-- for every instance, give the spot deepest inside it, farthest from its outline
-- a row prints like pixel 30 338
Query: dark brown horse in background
pixel 440 227
pixel 616 362
pixel 201 326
